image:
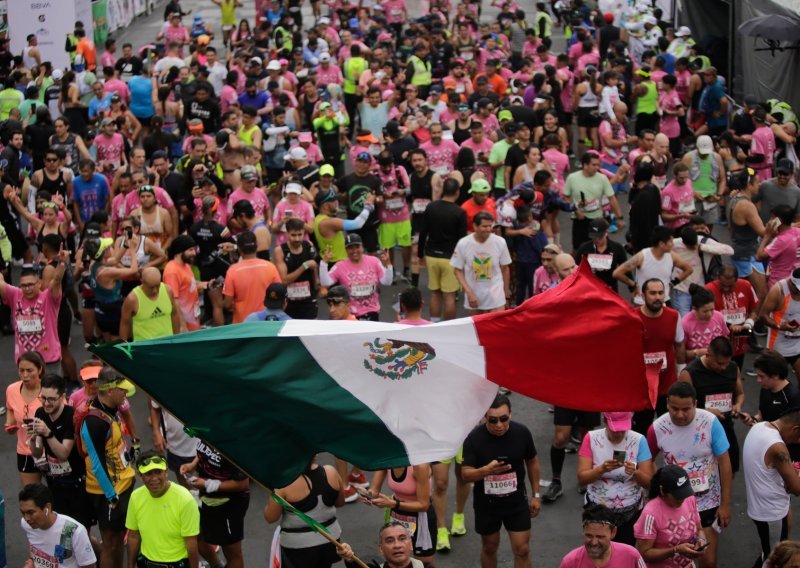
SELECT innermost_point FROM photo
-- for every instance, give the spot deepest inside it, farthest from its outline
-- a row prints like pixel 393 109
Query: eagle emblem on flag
pixel 398 359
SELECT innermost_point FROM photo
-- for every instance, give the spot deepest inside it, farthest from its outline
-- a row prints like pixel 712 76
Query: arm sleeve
pixel 715 247
pixel 644 451
pixel 679 335
pixel 387 276
pixel 325 277
pixel 358 222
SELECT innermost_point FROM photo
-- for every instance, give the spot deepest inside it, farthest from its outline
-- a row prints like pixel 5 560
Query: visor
pixel 121 383
pixel 88 373
pixel 150 464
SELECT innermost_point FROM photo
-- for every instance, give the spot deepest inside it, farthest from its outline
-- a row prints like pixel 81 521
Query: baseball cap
pixel 352 239
pixel 705 145
pixel 510 128
pixel 505 115
pixel 293 187
pixel 115 98
pixel 256 61
pixel 650 20
pixel 675 481
pixel 104 244
pixel 151 463
pixel 274 65
pixel 618 421
pixel 324 20
pixel 683 31
pixel 107 121
pixel 480 186
pixel 325 105
pixel 248 172
pixel 597 227
pixel 482 80
pixel 326 170
pixel 785 166
pixel 608 17
pixel 109 379
pixel 338 293
pixel 298 153
pixel 304 137
pixel 276 295
pixel 392 128
pixel 325 56
pixel 323 197
pixel 367 137
pixel 57 74
pixel 364 156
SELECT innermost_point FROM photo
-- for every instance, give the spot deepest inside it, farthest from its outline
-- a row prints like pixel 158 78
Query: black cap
pixel 392 128
pixel 597 228
pixel 482 80
pixel 785 165
pixel 247 243
pixel 352 239
pixel 510 129
pixel 276 295
pixel 338 293
pixel 181 244
pixel 675 481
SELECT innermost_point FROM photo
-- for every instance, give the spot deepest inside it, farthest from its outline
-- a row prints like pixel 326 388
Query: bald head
pixel 620 109
pixel 565 265
pixel 661 143
pixel 151 277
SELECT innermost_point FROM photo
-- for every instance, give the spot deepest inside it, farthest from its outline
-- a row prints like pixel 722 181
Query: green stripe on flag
pixel 261 400
pixel 315 525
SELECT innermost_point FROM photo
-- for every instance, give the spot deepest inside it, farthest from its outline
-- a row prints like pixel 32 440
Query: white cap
pixel 683 31
pixel 705 145
pixel 324 20
pixel 274 65
pixel 651 20
pixel 293 187
pixel 256 60
pixel 298 153
pixel 57 74
pixel 324 56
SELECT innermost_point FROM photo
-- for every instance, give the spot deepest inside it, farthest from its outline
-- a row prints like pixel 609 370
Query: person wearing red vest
pixel 663 344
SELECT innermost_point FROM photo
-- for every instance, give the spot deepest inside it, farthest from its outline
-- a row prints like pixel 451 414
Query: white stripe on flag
pixel 275 549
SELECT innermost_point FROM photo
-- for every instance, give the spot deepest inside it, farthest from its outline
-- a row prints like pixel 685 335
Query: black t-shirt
pixel 440 227
pixel 208 235
pixel 707 382
pixel 516 448
pixel 212 465
pixel 63 429
pixel 207 111
pixel 400 149
pixel 614 252
pixel 645 215
pixel 356 189
pixel 521 113
pixel 772 405
pixel 514 159
pixel 128 68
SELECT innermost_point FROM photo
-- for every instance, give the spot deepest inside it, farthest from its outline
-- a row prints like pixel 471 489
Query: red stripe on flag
pixel 578 345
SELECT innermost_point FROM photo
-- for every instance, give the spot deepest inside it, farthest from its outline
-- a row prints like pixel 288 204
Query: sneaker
pixel 751 373
pixel 350 495
pixel 458 528
pixel 571 447
pixel 613 227
pixel 582 489
pixel 2 410
pixel 553 492
pixel 442 540
pixel 359 480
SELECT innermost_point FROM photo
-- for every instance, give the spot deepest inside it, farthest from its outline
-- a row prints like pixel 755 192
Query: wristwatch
pixel 537 495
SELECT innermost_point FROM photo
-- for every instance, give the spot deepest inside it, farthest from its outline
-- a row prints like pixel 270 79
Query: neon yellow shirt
pixel 163 522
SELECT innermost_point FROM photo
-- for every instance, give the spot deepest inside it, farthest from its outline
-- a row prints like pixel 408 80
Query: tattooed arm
pixel 777 457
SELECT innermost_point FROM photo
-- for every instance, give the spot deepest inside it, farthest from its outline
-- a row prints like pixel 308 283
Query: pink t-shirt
pixel 763 143
pixel 77 398
pixel 441 157
pixel 162 198
pixel 109 149
pixel 258 198
pixel 559 165
pixel 302 210
pixel 592 58
pixel 677 199
pixel 117 87
pixel 567 88
pixel 227 97
pixel 395 11
pixel 784 255
pixel 119 209
pixel 362 281
pixel 699 334
pixel 622 556
pixel 668 527
pixel 221 216
pixel 485 146
pixel 415 322
pixel 394 207
pixel 656 76
pixel 314 154
pixel 617 132
pixel 543 280
pixel 682 86
pixel 331 75
pixel 670 101
pixel 20 409
pixel 35 323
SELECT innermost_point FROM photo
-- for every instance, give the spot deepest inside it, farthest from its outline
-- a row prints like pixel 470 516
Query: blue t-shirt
pixel 259 101
pixel 141 97
pixel 710 103
pixel 529 249
pixel 92 195
pixel 97 106
pixel 268 315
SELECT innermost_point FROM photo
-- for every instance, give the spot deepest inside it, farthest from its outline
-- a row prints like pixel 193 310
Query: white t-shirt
pixel 64 545
pixel 179 443
pixel 167 63
pixel 481 264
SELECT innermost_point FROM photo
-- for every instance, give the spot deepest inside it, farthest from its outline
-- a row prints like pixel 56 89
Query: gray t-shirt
pixel 771 194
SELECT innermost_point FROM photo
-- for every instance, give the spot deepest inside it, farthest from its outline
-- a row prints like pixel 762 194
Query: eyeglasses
pixel 336 302
pixel 49 399
pixel 495 419
pixel 51 160
pixel 24 286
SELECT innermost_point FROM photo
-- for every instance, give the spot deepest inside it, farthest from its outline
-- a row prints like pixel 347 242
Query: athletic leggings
pixel 763 536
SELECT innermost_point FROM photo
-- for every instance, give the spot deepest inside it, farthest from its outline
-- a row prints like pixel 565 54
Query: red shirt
pixel 659 344
pixel 472 209
pixel 735 308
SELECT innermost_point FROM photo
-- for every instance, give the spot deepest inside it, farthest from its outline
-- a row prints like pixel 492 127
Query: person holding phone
pixel 22 401
pixel 668 532
pixel 780 312
pixel 497 456
pixel 616 465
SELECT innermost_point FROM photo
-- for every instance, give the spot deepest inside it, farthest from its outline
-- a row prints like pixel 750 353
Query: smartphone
pixel 27 421
pixel 288 212
pixel 362 493
pixel 701 548
pixel 620 456
pixel 129 232
pixel 502 459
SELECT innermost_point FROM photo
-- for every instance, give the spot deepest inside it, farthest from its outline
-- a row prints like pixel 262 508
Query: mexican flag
pixel 269 395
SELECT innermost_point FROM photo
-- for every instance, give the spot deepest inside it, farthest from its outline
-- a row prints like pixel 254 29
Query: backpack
pixel 78 418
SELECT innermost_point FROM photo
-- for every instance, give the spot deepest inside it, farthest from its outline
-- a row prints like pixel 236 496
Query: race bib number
pixel 58 468
pixel 503 484
pixel 408 521
pixel 686 207
pixel 699 482
pixel 591 205
pixel 722 402
pixel 362 290
pixel 394 203
pixel 298 290
pixel 419 205
pixel 600 261
pixel 123 455
pixel 41 559
pixel 653 358
pixel 396 12
pixel 29 324
pixel 468 55
pixel 734 317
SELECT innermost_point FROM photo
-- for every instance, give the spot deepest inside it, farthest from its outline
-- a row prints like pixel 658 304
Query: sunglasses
pixel 49 205
pixel 495 419
pixel 152 459
pixel 51 160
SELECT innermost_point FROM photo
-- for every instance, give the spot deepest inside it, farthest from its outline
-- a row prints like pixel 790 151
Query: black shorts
pixel 70 498
pixel 430 526
pixel 174 462
pixel 370 237
pixel 791 359
pixel 108 518
pixel 588 117
pixel 305 310
pixel 489 520
pixel 369 316
pixel 107 316
pixel 568 417
pixel 707 517
pixel 145 120
pixel 25 464
pixel 224 524
pixel 565 119
pixel 64 324
pixel 320 555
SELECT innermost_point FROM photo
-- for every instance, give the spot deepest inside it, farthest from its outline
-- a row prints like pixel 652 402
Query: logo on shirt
pixel 396 359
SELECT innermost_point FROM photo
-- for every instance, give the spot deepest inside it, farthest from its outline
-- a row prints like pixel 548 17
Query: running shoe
pixel 458 528
pixel 359 480
pixel 350 495
pixel 442 540
pixel 553 492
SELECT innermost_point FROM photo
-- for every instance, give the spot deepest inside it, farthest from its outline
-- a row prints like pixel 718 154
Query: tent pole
pixel 732 47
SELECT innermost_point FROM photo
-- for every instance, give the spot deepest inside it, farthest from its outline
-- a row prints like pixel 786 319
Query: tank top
pixel 336 243
pixel 460 134
pixel 27 60
pixel 142 257
pixel 228 9
pixel 319 505
pixel 308 111
pixel 119 471
pixel 767 499
pixel 590 98
pixel 153 230
pixel 70 147
pixel 743 238
pixel 421 192
pixel 56 186
pixel 154 317
pixel 653 268
pixel 302 290
pixel 403 487
pixel 463 195
pixel 787 343
pixel 101 294
pixel 648 103
pixel 714 390
pixel 246 136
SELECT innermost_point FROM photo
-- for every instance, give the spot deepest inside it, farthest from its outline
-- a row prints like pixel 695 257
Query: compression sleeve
pixel 358 222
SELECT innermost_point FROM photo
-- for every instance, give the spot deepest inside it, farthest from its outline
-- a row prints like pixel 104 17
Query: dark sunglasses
pixel 152 459
pixel 495 419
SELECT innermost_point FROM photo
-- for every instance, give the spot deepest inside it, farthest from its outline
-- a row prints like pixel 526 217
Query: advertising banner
pixel 50 20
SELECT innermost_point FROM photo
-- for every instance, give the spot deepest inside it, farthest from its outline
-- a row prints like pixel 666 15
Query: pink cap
pixel 304 137
pixel 618 421
pixel 387 94
pixel 283 61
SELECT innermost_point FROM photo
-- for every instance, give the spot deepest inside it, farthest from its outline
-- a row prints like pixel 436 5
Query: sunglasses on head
pixel 152 459
pixel 495 419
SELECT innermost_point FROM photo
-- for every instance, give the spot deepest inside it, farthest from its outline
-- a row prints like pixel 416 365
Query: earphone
pixel 47 511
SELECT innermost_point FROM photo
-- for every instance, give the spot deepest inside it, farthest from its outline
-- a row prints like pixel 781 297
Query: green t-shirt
pixel 498 154
pixel 9 99
pixel 705 185
pixel 163 522
pixel 590 190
